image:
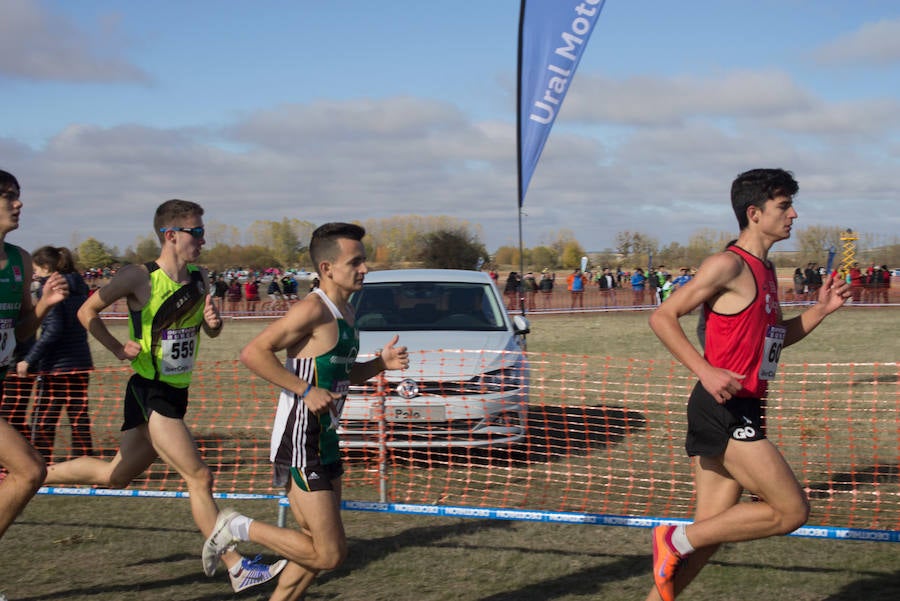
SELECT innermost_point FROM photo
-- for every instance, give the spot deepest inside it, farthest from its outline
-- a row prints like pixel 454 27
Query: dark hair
pixel 174 210
pixel 323 245
pixel 755 187
pixel 54 258
pixel 7 181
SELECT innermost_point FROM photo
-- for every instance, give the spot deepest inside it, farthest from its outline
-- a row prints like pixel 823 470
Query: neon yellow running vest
pixel 168 327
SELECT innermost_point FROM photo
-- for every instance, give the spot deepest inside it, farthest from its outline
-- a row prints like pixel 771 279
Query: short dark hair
pixel 8 181
pixel 323 245
pixel 757 186
pixel 174 210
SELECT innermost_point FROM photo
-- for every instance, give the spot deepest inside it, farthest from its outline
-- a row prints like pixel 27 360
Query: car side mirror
pixel 521 325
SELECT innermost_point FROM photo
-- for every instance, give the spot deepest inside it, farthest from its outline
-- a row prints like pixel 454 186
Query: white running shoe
pixel 219 541
pixel 253 572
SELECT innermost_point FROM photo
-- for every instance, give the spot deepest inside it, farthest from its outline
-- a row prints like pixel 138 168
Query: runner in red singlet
pixel 745 333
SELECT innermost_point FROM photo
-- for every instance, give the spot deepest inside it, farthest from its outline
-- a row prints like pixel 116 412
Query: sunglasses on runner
pixel 196 232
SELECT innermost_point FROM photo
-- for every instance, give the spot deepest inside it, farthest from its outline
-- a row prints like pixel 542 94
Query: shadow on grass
pixel 882 379
pixel 885 587
pixel 365 551
pixel 842 482
pixel 553 432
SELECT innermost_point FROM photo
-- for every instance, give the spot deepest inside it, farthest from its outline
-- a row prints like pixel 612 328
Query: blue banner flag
pixel 552 38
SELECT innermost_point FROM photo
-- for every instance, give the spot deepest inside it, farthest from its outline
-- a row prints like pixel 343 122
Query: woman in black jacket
pixel 61 357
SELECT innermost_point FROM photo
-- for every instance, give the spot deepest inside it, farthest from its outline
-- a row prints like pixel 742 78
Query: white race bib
pixel 771 352
pixel 7 340
pixel 337 406
pixel 178 350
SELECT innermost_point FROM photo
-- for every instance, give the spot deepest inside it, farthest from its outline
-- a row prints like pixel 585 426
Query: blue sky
pixel 329 111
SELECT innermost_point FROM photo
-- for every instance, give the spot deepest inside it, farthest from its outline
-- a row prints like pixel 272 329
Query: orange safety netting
pixel 601 435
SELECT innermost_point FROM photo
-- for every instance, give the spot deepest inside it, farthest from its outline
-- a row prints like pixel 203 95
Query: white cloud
pixel 655 101
pixel 368 158
pixel 871 44
pixel 38 45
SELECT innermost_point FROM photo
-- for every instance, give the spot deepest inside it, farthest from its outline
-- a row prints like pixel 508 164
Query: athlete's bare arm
pixel 390 357
pixel 832 296
pixel 308 329
pixel 132 283
pixel 714 283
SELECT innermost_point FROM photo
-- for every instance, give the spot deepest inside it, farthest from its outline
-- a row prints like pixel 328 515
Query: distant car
pixel 467 383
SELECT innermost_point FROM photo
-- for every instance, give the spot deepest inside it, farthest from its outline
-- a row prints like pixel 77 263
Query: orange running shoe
pixel 666 562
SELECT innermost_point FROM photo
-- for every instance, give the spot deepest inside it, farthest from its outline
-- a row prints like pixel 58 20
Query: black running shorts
pixel 143 396
pixel 711 425
pixel 309 479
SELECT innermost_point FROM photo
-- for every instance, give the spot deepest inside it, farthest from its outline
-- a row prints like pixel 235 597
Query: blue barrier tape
pixel 486 513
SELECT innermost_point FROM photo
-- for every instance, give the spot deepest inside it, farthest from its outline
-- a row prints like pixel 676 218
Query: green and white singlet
pixel 168 327
pixel 12 286
pixel 301 438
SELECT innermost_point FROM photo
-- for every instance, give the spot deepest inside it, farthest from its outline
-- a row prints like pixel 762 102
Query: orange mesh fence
pixel 594 435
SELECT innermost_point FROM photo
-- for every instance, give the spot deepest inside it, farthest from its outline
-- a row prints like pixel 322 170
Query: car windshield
pixel 399 306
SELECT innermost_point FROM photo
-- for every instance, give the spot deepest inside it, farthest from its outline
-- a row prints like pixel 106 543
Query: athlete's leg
pixel 25 472
pixel 760 468
pixel 173 442
pixel 79 416
pixel 296 579
pixel 716 492
pixel 134 456
pixel 325 547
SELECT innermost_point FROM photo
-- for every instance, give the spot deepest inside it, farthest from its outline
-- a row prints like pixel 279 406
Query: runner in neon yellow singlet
pixel 169 304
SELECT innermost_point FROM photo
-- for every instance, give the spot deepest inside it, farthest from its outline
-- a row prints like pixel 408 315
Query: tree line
pixel 448 242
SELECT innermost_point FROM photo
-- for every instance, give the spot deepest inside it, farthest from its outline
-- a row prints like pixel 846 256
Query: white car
pixel 467 382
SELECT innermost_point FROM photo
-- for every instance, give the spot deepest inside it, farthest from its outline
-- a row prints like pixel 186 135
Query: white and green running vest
pixel 12 286
pixel 301 438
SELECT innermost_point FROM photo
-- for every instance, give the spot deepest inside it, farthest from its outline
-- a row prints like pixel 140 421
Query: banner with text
pixel 552 38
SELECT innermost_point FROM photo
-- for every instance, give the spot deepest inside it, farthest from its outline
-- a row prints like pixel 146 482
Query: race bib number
pixel 337 407
pixel 771 352
pixel 178 350
pixel 7 341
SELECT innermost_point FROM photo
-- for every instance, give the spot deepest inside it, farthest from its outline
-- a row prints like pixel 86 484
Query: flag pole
pixel 520 200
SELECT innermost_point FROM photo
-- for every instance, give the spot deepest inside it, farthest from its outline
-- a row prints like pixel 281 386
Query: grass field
pixel 108 549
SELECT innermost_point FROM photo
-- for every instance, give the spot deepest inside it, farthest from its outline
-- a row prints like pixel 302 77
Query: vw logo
pixel 407 388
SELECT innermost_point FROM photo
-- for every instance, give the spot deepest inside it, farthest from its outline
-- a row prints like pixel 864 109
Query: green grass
pixel 108 549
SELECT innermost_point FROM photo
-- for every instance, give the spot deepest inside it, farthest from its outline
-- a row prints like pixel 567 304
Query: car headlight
pixel 500 380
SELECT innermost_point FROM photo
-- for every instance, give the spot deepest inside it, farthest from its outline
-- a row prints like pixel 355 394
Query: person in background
pixel 220 289
pixel 511 290
pixel 20 317
pixel 530 285
pixel 61 356
pixel 607 284
pixel 667 287
pixel 799 284
pixel 576 284
pixel 234 296
pixel 251 292
pixel 884 289
pixel 638 281
pixel 546 287
pixel 683 277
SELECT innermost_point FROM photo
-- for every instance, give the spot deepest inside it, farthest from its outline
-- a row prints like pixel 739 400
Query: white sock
pixel 236 568
pixel 680 541
pixel 240 527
